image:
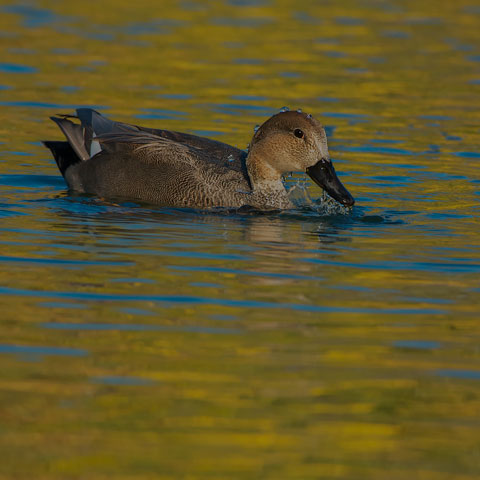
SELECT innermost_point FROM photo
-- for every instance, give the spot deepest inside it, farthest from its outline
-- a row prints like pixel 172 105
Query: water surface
pixel 146 342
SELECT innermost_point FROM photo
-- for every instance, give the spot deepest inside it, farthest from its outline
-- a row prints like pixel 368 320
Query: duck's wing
pixel 83 139
pixel 142 165
pixel 96 124
pixel 219 151
pixel 202 154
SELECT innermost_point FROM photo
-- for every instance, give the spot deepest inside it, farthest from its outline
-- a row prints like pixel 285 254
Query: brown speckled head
pixel 294 142
pixel 290 141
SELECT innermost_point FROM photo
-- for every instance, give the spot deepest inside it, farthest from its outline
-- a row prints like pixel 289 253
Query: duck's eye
pixel 298 133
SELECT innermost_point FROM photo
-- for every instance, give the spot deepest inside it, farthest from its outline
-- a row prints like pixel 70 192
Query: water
pixel 145 342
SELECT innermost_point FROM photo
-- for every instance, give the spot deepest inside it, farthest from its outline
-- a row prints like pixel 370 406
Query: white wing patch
pixel 95 147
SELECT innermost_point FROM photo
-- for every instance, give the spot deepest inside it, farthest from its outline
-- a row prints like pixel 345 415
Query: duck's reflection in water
pixel 287 233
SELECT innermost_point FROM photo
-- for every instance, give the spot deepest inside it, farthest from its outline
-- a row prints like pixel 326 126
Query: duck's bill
pixel 324 175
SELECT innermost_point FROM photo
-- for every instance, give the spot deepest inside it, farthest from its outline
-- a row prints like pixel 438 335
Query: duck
pixel 116 160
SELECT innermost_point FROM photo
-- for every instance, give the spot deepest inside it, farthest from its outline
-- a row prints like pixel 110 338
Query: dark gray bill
pixel 323 174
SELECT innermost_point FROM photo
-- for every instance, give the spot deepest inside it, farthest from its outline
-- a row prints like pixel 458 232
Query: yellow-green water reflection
pixel 140 343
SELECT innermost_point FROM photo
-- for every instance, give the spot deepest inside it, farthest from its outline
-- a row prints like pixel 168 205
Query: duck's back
pixel 113 159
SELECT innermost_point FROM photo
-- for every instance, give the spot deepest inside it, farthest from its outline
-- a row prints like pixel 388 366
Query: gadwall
pixel 112 159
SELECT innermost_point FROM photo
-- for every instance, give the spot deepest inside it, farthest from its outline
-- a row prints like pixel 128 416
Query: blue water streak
pixel 52 106
pixel 41 350
pixel 137 327
pixel 195 300
pixel 460 374
pixel 417 344
pixel 16 68
pixel 115 380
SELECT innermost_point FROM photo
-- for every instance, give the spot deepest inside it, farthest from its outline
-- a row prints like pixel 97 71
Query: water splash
pixel 299 110
pixel 284 109
pixel 326 205
pixel 297 186
pixel 255 128
pixel 297 189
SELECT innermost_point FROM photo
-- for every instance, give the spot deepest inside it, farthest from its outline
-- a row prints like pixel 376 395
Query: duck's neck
pixel 262 175
pixel 266 182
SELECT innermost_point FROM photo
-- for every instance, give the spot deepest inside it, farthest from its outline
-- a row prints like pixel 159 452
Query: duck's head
pixel 293 142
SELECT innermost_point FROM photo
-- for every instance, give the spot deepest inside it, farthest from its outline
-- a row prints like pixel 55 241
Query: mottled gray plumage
pixel 117 160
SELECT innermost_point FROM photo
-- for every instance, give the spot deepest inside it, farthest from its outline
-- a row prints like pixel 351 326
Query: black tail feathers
pixel 78 146
pixel 63 153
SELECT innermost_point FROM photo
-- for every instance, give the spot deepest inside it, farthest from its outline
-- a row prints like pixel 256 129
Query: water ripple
pixel 195 300
pixel 30 350
pixel 16 68
pixel 122 327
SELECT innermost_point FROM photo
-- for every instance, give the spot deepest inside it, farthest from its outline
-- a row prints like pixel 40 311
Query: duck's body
pixel 112 160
